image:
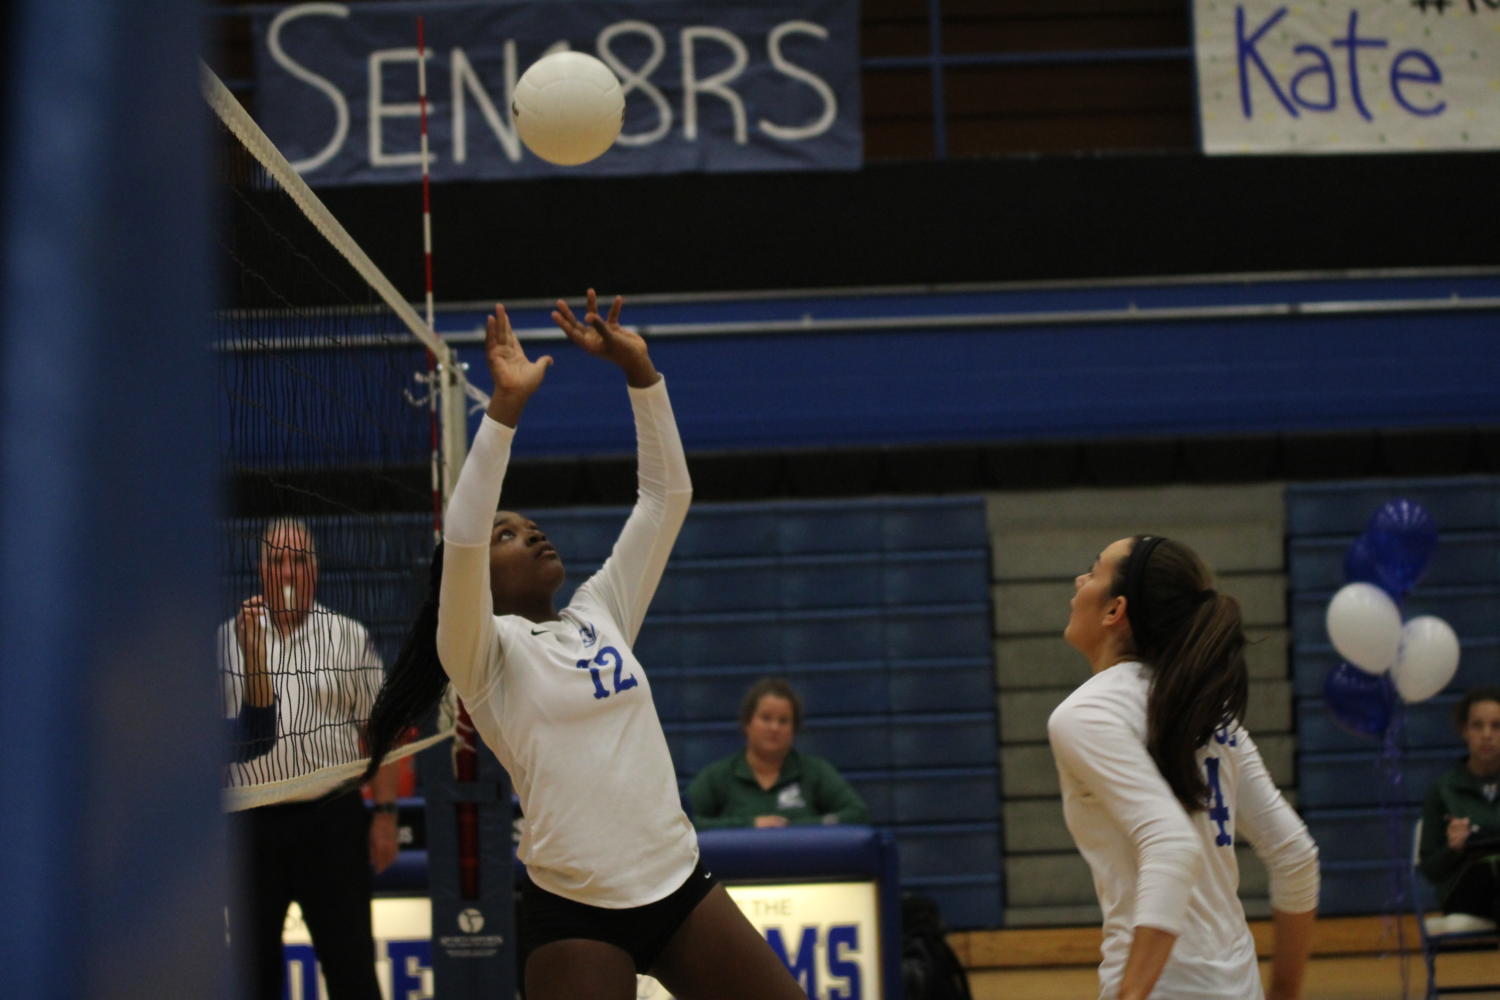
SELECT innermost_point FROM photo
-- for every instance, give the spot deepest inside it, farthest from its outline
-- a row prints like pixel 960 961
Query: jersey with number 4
pixel 565 705
pixel 1156 865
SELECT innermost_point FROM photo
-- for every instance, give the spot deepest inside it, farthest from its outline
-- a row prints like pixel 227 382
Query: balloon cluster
pixel 1383 658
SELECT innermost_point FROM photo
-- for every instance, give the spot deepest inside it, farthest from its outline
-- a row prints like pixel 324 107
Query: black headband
pixel 1135 586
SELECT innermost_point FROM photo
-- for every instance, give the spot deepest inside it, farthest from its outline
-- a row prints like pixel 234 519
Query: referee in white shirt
pixel 1159 779
pixel 318 851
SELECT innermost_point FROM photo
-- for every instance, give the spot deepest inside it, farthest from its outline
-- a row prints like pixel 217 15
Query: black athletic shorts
pixel 642 931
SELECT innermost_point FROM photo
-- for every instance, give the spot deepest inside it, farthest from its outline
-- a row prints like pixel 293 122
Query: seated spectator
pixel 1460 848
pixel 770 783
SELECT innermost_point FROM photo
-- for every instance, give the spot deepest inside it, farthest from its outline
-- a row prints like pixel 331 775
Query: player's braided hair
pixel 1191 637
pixel 415 682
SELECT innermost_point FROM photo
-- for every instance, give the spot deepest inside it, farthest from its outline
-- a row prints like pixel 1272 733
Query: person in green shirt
pixel 1460 847
pixel 770 783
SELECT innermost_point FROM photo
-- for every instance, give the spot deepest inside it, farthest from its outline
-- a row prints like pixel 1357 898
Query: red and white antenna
pixel 432 372
pixel 465 751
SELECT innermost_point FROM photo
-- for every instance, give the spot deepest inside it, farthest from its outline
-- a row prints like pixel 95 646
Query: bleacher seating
pixel 1341 778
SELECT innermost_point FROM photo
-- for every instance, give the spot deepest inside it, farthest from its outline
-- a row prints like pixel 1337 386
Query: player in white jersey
pixel 614 885
pixel 1159 779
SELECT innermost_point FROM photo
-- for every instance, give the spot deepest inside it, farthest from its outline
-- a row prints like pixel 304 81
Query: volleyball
pixel 568 108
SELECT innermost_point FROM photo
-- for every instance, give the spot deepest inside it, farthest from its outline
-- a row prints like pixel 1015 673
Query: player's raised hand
pixel 604 337
pixel 516 376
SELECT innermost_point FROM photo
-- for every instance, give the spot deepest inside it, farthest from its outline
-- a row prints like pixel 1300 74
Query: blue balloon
pixel 1362 566
pixel 1402 538
pixel 1362 703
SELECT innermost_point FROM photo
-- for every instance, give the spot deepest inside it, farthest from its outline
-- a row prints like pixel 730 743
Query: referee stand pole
pixel 473 939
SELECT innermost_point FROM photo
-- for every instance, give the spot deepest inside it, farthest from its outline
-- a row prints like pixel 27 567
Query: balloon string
pixel 1392 807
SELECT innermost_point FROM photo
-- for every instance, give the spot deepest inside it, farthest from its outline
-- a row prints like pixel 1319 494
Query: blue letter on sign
pixel 409 959
pixel 302 959
pixel 1246 53
pixel 843 939
pixel 805 968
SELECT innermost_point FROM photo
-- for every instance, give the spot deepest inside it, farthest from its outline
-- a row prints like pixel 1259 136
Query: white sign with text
pixel 1347 76
pixel 827 933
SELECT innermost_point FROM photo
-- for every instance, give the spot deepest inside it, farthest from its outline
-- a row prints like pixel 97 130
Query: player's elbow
pixel 1177 855
pixel 1295 877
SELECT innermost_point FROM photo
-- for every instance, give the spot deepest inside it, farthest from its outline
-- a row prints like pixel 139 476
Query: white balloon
pixel 1428 658
pixel 1365 626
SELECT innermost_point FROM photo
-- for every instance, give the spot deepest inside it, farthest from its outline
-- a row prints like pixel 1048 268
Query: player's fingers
pixel 502 324
pixel 572 330
pixel 614 309
pixel 593 301
pixel 566 312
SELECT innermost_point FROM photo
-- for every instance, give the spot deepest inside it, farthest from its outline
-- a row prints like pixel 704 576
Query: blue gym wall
pixel 929 367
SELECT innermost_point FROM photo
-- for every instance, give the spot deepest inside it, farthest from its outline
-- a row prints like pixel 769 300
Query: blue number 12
pixel 602 659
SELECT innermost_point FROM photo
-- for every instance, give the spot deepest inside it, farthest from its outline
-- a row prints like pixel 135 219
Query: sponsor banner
pixel 403 951
pixel 732 86
pixel 828 934
pixel 1347 76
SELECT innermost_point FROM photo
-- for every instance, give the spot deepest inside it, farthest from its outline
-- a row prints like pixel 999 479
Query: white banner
pixel 1347 76
pixel 403 951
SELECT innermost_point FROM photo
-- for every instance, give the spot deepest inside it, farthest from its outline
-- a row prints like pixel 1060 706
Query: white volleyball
pixel 568 108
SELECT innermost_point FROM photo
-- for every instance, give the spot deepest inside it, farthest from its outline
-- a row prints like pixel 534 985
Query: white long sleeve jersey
pixel 565 705
pixel 1153 864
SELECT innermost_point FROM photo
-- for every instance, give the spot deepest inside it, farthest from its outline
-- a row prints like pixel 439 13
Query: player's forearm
pixel 661 467
pixel 1293 932
pixel 1150 947
pixel 383 785
pixel 471 509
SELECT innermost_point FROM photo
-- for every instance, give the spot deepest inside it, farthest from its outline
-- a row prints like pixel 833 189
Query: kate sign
pixel 1335 76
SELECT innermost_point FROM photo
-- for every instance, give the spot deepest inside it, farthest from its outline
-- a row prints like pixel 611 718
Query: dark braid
pixel 415 682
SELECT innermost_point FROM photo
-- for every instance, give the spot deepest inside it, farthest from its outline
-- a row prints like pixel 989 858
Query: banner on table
pixel 735 85
pixel 1347 76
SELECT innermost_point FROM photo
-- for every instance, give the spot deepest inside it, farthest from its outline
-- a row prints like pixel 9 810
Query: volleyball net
pixel 342 424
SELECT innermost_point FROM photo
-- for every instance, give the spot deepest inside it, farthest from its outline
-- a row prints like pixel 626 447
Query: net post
pixel 454 418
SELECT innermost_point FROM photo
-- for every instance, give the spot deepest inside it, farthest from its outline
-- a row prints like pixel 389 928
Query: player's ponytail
pixel 1191 637
pixel 415 682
